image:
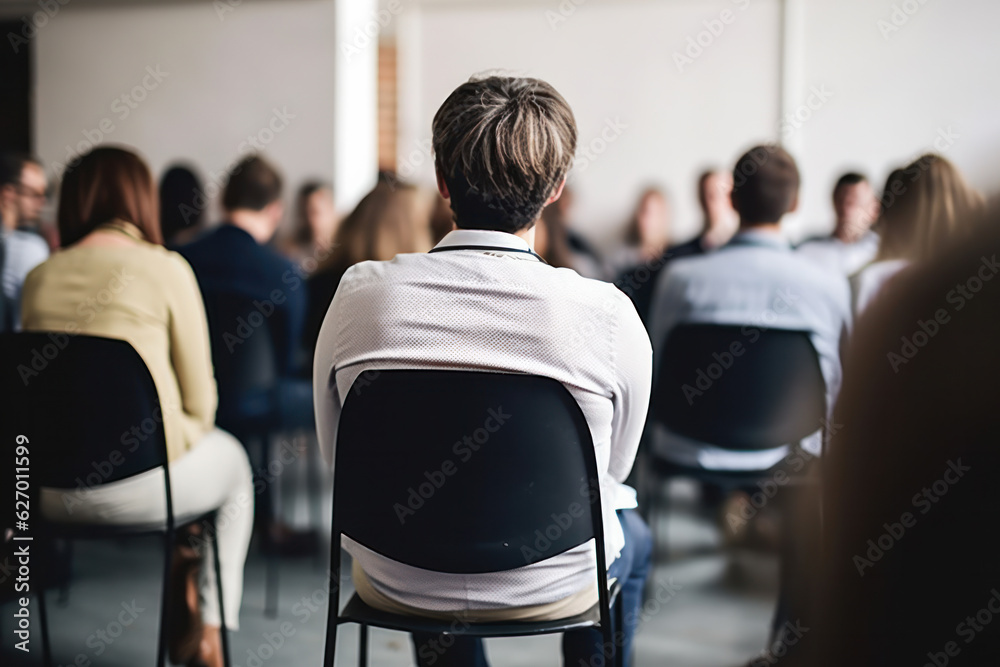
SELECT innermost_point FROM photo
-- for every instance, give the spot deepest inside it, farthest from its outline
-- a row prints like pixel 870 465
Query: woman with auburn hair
pixel 110 229
pixel 391 219
pixel 924 206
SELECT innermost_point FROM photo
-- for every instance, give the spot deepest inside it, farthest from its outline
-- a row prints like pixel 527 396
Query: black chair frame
pixel 76 367
pixel 449 389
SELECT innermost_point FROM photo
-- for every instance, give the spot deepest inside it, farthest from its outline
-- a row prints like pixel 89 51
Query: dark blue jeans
pixel 581 648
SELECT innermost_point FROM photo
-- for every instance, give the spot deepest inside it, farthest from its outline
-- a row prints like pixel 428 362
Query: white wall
pixel 612 62
pixel 226 73
pixel 613 58
pixel 895 95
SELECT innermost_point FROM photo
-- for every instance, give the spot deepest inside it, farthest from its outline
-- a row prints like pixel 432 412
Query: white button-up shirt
pixel 756 280
pixel 504 310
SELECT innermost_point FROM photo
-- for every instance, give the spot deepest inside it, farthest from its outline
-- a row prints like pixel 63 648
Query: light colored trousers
pixel 214 475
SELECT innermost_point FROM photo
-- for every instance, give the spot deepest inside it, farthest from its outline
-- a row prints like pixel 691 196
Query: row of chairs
pixel 533 468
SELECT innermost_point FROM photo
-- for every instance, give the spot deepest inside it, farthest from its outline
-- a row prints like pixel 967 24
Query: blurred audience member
pixel 893 515
pixel 390 220
pixel 235 259
pixel 309 239
pixel 924 206
pixel 719 220
pixel 552 240
pixel 22 195
pixel 112 241
pixel 719 223
pixel 571 249
pixel 182 206
pixel 442 220
pixel 755 281
pixel 648 233
pixel 852 245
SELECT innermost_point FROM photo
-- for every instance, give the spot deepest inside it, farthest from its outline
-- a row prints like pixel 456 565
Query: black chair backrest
pixel 87 405
pixel 244 357
pixel 740 388
pixel 465 472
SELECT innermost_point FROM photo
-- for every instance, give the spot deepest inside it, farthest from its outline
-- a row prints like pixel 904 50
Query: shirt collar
pixel 763 239
pixel 483 237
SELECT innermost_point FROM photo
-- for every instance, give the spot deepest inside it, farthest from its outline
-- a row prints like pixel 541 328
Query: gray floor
pixel 719 616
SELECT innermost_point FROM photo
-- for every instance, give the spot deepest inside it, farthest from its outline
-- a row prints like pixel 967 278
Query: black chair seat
pixel 356 611
pixel 730 478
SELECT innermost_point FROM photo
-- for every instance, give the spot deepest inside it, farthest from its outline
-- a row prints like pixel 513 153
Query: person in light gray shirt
pixel 853 244
pixel 757 282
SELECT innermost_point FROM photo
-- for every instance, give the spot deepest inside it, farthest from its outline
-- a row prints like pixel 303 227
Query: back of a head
pixel 925 205
pixel 253 185
pixel 108 183
pixel 911 502
pixel 765 185
pixel 182 201
pixel 502 146
pixel 389 220
pixel 11 165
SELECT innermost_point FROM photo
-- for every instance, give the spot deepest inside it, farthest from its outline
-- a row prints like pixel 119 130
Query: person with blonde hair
pixel 924 206
pixel 393 218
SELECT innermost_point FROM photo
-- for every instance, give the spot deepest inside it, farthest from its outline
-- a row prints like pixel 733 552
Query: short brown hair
pixel 108 183
pixel 765 184
pixel 253 184
pixel 502 146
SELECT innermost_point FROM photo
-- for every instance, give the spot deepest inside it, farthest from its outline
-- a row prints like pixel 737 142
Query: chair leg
pixel 363 645
pixel 619 628
pixel 44 620
pixel 223 630
pixel 271 585
pixel 168 555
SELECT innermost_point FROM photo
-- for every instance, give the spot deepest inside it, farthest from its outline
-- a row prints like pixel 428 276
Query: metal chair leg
pixel 168 555
pixel 619 627
pixel 271 585
pixel 363 645
pixel 223 629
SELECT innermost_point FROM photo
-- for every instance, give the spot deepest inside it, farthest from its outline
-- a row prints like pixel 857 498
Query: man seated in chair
pixel 482 299
pixel 756 282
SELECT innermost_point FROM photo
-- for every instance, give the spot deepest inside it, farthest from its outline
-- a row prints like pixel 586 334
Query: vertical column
pixel 791 89
pixel 355 118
